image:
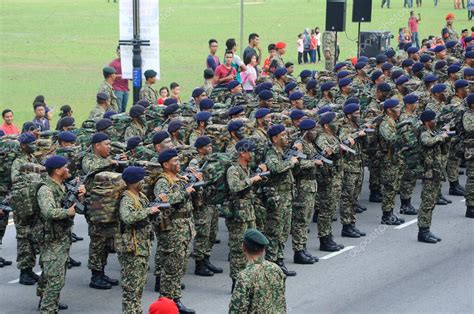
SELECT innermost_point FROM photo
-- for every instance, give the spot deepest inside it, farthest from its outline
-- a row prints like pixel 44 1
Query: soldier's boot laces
pixel 456 189
pixel 424 235
pixel 202 270
pixel 25 278
pixel 183 309
pixel 301 258
pixel 349 232
pixel 211 267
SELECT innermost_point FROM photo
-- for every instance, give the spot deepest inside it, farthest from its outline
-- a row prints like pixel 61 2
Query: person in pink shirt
pixel 250 75
pixel 413 22
pixel 8 127
pixel 120 85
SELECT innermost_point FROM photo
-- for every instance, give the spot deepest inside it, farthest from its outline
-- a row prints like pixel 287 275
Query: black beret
pixel 311 84
pixel 387 66
pixel 430 78
pixel 170 101
pixel 470 99
pixel 158 137
pixel 327 86
pixel 407 62
pixel 296 114
pixel 381 58
pixel 265 94
pixel 345 81
pixel 103 124
pixel 425 58
pixel 454 68
pixel 390 53
pixel 133 142
pixel 66 122
pixel 402 80
pixel 202 141
pixel 439 48
pixel 417 67
pixel 108 70
pixel 290 86
pixel 99 137
pixel 296 95
pixel 202 116
pixel 384 87
pixel 55 162
pixel 305 73
pixel 343 74
pixel 29 126
pixel 235 110
pixel 149 74
pixel 390 103
pixel 440 64
pixel 412 50
pixel 339 66
pixel 327 117
pixel 167 154
pixel 133 174
pixel 280 72
pixel 410 99
pixel 350 108
pixel 438 88
pixel 67 136
pixel 375 75
pixel 144 102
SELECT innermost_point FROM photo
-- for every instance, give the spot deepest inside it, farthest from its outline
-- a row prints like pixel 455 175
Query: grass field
pixel 58 47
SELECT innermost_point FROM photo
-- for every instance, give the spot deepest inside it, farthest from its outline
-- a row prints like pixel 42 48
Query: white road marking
pixel 406 224
pixel 347 248
pixel 463 200
pixel 18 280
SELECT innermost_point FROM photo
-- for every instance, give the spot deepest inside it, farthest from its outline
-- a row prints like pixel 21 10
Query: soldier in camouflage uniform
pixel 432 145
pixel 265 100
pixel 175 132
pixel 277 61
pixel 345 87
pixel 260 287
pixel 177 227
pixel 54 252
pixel 106 87
pixel 329 49
pixel 138 127
pixel 235 132
pixel 134 244
pixel 102 106
pixel 235 97
pixel 310 99
pixel 202 119
pixel 279 83
pixel 147 91
pixel 448 33
pixel 468 141
pixel 454 74
pixel 328 94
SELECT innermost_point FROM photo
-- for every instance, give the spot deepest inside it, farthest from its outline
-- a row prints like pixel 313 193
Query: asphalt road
pixel 387 271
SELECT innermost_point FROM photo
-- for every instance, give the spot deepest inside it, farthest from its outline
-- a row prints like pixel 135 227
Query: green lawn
pixel 58 47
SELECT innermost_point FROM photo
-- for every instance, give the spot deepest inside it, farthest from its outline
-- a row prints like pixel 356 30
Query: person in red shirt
pixel 164 94
pixel 413 22
pixel 120 85
pixel 175 90
pixel 8 127
pixel 266 64
pixel 225 72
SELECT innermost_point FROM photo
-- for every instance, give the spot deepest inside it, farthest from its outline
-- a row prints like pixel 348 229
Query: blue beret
pixel 234 125
pixel 406 46
pixel 439 48
pixel 345 81
pixel 469 72
pixel 350 108
pixel 324 109
pixel 470 99
pixel 262 112
pixel 198 92
pixel 327 117
pixel 412 50
pixel 381 58
pixel 343 74
pixel 55 162
pixel 375 75
pixel 159 137
pixel 311 84
pixel 469 54
pixel 387 66
pixel 2 133
pixel 26 138
pixel 296 114
pixel 451 43
pixel 396 74
pixel 430 78
pixel 438 88
pixel 202 141
pixel 468 39
pixel 170 101
pixel 67 136
pixel 410 99
pixel 402 80
pixel 133 174
pixel 290 86
pixel 145 103
pixel 280 72
pixel 133 142
pixel 327 86
pixel 296 95
pixel 103 124
pixel 407 63
pixel 306 73
pixel 206 104
pixel 427 115
pixel 263 86
pixel 384 87
pixel 66 122
pixel 102 96
pixel 360 65
pixel 167 154
pixel 136 111
pixel 170 109
pixel 235 110
pixel 339 66
pixel 351 100
pixel 109 114
pixel 363 59
pixel 99 137
pixel 440 64
pixel 175 125
pixel 417 67
pixel 29 126
pixel 245 146
pixel 454 68
pixel 469 48
pixel 265 94
pixel 149 74
pixel 425 58
pixel 254 238
pixel 275 129
pixel 307 124
pixel 390 103
pixel 390 53
pixel 461 83
pixel 233 84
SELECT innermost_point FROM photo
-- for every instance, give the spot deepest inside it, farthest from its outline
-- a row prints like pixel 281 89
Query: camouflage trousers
pixel 351 183
pixel 102 238
pixel 236 237
pixel 205 219
pixel 470 182
pixel 278 224
pixel 329 64
pixel 407 182
pixel 175 250
pixel 53 261
pixel 26 247
pixel 429 195
pixel 158 261
pixel 133 279
pixel 391 176
pixel 303 206
pixel 452 166
pixel 260 213
pixel 375 173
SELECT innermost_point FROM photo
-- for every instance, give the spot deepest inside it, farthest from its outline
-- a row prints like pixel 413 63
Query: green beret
pixel 108 71
pixel 253 237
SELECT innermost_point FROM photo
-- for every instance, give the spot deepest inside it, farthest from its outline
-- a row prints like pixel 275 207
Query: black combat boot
pixel 445 199
pixel 331 239
pixel 202 270
pixel 25 278
pixel 183 286
pixel 470 212
pixel 315 216
pixel 217 241
pixel 357 210
pixel 441 200
pixel 359 205
pixel 182 309
pixel 403 206
pixel 406 208
pixel 62 306
pixel 326 245
pixel 315 258
pixel 301 258
pixel 375 197
pixel 76 237
pixel 73 263
pixel 435 237
pixel 425 236
pixel 456 189
pixel 4 262
pixel 286 271
pixel 113 282
pixel 362 234
pixel 388 218
pixel 98 282
pixel 33 274
pixel 211 267
pixel 233 286
pixel 157 283
pixel 349 232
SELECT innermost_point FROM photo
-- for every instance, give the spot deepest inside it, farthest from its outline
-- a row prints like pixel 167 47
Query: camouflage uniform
pixel 374 109
pixel 260 139
pixel 176 235
pixel 452 115
pixel 468 125
pixel 135 129
pixel 149 93
pixel 97 113
pixel 242 214
pixel 194 135
pixel 278 60
pixel 105 87
pixel 133 247
pixel 452 34
pixel 55 246
pixel 260 288
pixel 329 45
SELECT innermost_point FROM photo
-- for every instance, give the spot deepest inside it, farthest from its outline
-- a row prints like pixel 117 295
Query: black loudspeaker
pixel 336 15
pixel 362 11
pixel 374 43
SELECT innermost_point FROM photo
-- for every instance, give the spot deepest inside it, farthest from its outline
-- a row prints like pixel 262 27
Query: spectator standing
pixel 120 85
pixel 8 127
pixel 237 63
pixel 300 48
pixel 312 48
pixel 212 61
pixel 401 38
pixel 249 77
pixel 407 39
pixel 387 2
pixel 408 4
pixel 307 45
pixel 448 33
pixel 266 64
pixel 470 12
pixel 164 94
pixel 253 48
pixel 435 3
pixel 418 3
pixel 225 72
pixel 40 117
pixel 413 22
pixel 175 91
pixel 318 40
